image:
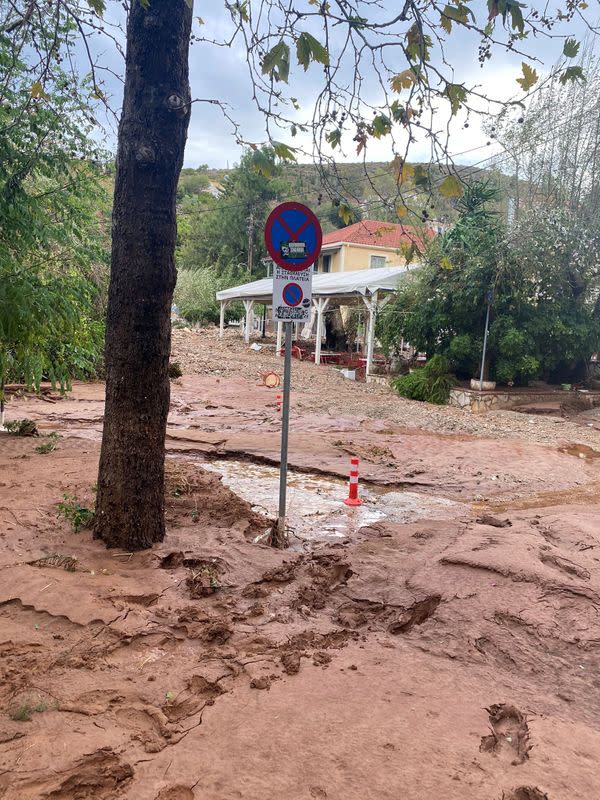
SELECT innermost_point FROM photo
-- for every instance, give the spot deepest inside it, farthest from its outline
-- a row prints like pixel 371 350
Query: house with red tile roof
pixel 368 244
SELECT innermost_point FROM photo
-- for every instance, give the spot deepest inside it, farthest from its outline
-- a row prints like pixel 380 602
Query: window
pixel 326 263
pixel 377 262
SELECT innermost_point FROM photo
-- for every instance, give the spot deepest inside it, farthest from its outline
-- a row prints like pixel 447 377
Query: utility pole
pixel 250 241
pixel 516 188
pixel 489 296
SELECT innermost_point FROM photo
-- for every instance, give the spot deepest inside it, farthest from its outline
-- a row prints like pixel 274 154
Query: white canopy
pixel 330 284
pixel 367 285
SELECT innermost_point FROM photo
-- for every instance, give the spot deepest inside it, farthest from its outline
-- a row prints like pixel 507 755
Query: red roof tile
pixel 376 233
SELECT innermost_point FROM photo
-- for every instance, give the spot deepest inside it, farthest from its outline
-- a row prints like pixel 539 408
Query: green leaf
pixel 276 62
pixel 417 44
pixel 529 79
pixel 99 6
pixel 457 94
pixel 459 13
pixel 572 74
pixel 284 151
pixel 381 126
pixel 310 49
pixel 334 137
pixel 571 48
pixel 446 23
pixel 357 22
pixel 451 187
pixel 345 213
pixel 422 179
pixel 516 17
pixel 262 164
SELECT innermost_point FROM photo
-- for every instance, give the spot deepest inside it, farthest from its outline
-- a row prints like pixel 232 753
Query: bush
pixel 175 370
pixel 430 384
pixel 195 295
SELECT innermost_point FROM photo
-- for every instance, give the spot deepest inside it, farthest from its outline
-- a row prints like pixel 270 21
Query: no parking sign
pixel 293 238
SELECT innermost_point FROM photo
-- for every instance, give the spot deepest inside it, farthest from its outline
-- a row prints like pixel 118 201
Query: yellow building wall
pixel 356 257
pixel 359 257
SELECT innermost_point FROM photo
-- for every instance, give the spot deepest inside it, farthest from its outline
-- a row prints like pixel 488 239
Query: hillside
pixel 369 187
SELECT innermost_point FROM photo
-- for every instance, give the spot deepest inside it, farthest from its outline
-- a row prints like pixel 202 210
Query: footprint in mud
pixel 101 775
pixel 416 614
pixel 147 725
pixel 525 793
pixel 509 735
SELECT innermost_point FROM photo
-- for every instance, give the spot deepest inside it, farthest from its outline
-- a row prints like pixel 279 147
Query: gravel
pixel 201 351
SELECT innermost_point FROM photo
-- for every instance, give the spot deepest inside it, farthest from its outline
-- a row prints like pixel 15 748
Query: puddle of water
pixel 315 508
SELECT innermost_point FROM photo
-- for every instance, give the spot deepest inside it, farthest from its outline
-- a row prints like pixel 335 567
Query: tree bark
pixel 152 135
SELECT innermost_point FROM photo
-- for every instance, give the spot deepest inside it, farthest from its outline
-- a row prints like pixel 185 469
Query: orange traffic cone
pixel 353 498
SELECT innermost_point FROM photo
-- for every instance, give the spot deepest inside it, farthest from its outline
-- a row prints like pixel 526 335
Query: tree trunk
pixel 152 134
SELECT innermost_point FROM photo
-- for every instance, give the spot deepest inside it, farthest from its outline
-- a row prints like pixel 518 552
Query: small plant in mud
pixel 49 445
pixel 175 370
pixel 22 427
pixel 79 516
pixel 24 712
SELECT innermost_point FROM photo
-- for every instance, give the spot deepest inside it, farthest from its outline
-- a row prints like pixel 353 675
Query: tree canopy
pixel 52 246
pixel 544 276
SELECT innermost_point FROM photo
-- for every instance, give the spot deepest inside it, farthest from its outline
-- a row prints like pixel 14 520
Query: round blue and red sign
pixel 292 294
pixel 293 236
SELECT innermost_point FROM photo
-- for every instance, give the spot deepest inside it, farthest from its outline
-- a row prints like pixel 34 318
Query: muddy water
pixel 315 508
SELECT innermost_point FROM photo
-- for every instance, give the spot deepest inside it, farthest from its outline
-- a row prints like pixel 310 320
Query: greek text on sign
pixel 292 295
pixel 293 236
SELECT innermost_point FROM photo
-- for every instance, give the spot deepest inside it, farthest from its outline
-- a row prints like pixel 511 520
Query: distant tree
pixel 227 235
pixel 545 278
pixel 53 250
pixel 192 182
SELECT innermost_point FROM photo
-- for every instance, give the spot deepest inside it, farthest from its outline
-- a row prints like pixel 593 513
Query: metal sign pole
pixel 293 239
pixel 285 421
pixel 489 297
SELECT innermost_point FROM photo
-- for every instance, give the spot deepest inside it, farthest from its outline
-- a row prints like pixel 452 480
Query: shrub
pixel 175 370
pixel 22 427
pixel 430 384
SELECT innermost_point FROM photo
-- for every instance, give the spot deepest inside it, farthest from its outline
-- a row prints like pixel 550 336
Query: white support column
pixel 224 304
pixel 248 305
pixel 279 338
pixel 371 305
pixel 321 304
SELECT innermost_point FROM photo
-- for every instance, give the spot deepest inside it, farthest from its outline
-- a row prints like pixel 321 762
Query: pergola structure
pixel 374 287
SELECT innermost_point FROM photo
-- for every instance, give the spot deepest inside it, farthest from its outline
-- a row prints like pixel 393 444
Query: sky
pixel 221 73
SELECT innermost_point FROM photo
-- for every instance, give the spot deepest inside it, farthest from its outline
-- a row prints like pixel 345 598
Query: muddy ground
pixel 441 642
